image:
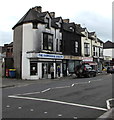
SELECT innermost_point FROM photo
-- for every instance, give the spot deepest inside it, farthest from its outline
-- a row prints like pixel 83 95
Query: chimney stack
pixel 66 20
pixel 52 14
pixel 38 9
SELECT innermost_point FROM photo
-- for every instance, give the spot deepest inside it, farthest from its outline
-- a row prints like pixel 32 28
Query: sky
pixel 95 15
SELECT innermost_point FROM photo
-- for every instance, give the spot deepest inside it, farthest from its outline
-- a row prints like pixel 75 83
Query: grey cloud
pixel 95 22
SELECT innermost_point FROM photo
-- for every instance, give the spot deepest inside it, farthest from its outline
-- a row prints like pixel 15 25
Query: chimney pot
pixel 52 14
pixel 38 9
pixel 66 20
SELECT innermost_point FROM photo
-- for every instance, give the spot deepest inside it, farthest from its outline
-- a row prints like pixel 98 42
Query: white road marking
pixel 75 117
pixel 7 106
pixel 61 87
pixel 60 102
pixel 45 112
pixel 19 107
pixel 46 90
pixel 31 110
pixel 29 93
pixel 59 115
pixel 108 103
pixel 72 85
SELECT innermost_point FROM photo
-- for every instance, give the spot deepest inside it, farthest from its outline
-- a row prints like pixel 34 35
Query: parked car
pixel 110 69
pixel 85 70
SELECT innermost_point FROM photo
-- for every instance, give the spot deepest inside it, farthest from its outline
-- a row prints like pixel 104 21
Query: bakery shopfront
pixel 40 64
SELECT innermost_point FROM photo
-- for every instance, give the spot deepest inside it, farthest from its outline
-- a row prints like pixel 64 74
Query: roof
pixel 54 21
pixel 66 27
pixel 90 35
pixel 108 44
pixel 100 40
pixel 32 16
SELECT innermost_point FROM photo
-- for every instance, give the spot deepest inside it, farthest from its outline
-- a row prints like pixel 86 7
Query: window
pixel 47 42
pixel 33 68
pixel 100 52
pixel 8 50
pixel 76 47
pixel 57 45
pixel 86 49
pixel 72 29
pixel 60 45
pixel 47 22
pixel 34 25
pixel 94 51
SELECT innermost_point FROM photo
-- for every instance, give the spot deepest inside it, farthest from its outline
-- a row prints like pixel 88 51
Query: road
pixel 72 98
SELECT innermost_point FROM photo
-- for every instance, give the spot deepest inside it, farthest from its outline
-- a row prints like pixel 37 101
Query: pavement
pixel 13 82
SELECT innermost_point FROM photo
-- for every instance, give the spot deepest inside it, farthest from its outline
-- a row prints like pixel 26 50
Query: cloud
pixel 95 15
pixel 5 37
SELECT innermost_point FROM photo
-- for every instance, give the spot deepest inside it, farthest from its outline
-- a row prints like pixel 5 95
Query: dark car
pixel 85 70
pixel 110 69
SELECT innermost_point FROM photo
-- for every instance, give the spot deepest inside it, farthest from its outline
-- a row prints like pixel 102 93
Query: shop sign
pixel 87 59
pixel 53 56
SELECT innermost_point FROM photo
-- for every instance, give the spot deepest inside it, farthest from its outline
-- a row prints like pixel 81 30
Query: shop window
pixel 33 68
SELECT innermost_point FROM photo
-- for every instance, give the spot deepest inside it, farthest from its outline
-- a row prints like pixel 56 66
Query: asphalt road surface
pixel 72 98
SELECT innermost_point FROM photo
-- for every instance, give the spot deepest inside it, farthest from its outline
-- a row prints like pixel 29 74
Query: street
pixel 71 98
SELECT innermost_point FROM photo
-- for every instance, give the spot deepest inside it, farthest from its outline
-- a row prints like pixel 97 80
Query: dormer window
pixel 72 29
pixel 35 25
pixel 47 22
pixel 86 34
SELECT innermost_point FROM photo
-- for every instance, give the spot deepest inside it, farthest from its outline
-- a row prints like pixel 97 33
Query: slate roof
pixel 90 35
pixel 66 27
pixel 108 44
pixel 100 40
pixel 32 16
pixel 54 21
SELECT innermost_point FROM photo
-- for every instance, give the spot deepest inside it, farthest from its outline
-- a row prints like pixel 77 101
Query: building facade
pixel 37 43
pixel 108 50
pixel 42 41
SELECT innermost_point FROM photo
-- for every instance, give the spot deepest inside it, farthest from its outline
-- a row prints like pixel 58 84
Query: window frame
pixel 76 47
pixel 35 71
pixel 47 42
pixel 86 49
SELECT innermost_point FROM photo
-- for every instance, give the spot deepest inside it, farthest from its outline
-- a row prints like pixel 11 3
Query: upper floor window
pixel 76 47
pixel 47 22
pixel 100 52
pixel 47 42
pixel 72 29
pixel 94 51
pixel 57 45
pixel 35 25
pixel 60 45
pixel 86 49
pixel 86 34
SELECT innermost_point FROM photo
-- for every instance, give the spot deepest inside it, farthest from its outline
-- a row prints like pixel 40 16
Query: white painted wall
pixel 33 41
pixel 108 52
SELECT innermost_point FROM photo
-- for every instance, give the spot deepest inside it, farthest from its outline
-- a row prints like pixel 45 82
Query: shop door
pixel 44 70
